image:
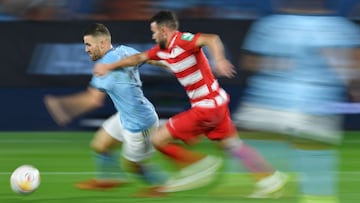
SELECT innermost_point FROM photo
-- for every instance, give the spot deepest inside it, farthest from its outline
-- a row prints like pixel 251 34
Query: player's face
pixel 92 47
pixel 158 35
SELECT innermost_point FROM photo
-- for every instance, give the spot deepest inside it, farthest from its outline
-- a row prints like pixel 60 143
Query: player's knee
pixel 231 143
pixel 161 138
pixel 98 146
pixel 155 140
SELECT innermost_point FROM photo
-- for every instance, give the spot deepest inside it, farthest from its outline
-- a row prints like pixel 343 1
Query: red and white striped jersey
pixel 191 67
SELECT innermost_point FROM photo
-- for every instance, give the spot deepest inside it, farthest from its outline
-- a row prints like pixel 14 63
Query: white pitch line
pixel 46 141
pixel 59 173
pixel 92 173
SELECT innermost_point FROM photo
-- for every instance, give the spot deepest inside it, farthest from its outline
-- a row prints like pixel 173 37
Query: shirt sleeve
pixel 152 53
pixel 188 41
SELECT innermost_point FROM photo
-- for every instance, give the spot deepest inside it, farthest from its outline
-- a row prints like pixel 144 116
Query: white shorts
pixel 136 146
pixel 324 128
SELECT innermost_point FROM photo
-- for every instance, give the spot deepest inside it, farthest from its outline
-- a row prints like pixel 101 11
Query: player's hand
pixel 224 68
pixel 58 110
pixel 101 69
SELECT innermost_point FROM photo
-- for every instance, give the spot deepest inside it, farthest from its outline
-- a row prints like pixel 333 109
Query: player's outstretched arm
pixel 102 69
pixel 223 67
pixel 157 63
pixel 63 109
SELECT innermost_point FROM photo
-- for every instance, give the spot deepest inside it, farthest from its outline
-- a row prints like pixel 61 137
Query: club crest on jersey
pixel 187 36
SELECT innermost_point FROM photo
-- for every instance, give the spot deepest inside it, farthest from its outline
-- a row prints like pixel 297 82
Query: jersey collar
pixel 173 38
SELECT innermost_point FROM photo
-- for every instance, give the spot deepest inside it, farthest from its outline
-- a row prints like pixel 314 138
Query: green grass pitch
pixel 64 158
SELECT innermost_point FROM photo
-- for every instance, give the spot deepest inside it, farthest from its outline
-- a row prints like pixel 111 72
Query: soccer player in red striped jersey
pixel 209 115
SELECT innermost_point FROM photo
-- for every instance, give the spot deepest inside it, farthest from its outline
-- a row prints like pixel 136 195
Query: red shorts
pixel 215 123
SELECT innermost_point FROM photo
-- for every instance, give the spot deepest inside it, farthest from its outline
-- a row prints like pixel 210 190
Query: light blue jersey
pixel 305 81
pixel 125 89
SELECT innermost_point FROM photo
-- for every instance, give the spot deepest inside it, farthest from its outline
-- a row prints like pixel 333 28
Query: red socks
pixel 181 156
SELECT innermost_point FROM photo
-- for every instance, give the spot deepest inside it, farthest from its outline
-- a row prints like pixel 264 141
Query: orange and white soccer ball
pixel 25 179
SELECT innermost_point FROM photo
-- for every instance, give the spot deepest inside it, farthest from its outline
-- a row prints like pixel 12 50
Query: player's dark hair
pixel 97 29
pixel 166 18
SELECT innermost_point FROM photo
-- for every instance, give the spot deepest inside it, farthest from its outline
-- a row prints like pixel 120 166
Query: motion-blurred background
pixel 42 51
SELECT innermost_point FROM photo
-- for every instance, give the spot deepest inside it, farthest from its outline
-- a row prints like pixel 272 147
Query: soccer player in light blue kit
pixel 301 66
pixel 134 121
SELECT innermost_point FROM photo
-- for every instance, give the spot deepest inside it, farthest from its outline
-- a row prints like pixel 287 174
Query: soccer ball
pixel 25 179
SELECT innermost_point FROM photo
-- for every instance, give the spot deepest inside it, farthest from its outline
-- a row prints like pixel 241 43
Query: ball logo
pixel 25 179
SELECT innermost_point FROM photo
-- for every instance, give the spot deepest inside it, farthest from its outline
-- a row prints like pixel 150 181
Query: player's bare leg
pixel 107 162
pixel 153 177
pixel 195 169
pixel 269 181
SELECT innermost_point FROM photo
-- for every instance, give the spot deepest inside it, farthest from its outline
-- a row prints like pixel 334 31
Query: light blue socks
pixel 317 170
pixel 108 166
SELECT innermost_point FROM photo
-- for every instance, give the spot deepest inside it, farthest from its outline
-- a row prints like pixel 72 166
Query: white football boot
pixel 270 187
pixel 196 175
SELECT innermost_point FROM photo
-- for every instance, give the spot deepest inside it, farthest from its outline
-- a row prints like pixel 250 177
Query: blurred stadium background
pixel 42 51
